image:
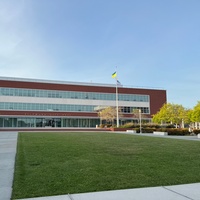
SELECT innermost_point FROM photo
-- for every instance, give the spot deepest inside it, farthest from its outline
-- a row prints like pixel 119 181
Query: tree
pixel 187 116
pixel 137 114
pixel 195 115
pixel 109 114
pixel 162 116
pixel 172 113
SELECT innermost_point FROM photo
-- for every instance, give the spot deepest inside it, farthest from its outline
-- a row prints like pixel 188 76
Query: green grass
pixel 61 163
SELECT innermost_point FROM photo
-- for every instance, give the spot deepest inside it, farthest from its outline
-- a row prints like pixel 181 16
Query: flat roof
pixel 55 81
pixel 73 83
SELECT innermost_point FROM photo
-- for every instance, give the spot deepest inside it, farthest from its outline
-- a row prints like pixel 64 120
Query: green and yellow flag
pixel 114 74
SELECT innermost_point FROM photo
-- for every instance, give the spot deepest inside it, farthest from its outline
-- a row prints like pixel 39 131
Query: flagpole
pixel 117 110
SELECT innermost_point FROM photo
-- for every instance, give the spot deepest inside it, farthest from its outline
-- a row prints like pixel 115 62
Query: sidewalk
pixel 8 144
pixel 178 192
pixel 194 138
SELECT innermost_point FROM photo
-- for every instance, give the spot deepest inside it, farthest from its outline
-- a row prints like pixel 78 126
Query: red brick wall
pixel 157 97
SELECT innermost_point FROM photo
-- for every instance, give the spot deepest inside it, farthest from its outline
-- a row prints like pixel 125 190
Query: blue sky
pixel 153 43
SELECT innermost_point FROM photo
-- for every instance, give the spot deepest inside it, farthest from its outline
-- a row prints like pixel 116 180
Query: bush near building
pixel 150 128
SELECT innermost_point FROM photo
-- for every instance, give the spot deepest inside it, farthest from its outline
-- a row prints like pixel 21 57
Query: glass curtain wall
pixel 47 122
pixel 6 122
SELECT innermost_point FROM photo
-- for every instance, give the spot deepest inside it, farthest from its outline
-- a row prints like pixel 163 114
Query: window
pixel 72 95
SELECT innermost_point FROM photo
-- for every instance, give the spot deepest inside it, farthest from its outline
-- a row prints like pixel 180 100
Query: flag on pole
pixel 114 74
pixel 118 83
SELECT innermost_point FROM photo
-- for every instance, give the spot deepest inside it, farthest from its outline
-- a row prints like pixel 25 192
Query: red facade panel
pixel 55 114
pixel 44 113
pixel 157 97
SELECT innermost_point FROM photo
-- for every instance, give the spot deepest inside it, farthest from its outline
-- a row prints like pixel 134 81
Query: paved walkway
pixel 178 192
pixel 8 144
pixel 194 138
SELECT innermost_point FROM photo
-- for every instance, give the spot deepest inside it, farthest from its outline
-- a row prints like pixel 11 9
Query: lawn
pixel 61 163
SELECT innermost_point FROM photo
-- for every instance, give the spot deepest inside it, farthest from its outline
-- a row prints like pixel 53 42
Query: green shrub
pixel 196 131
pixel 170 131
pixel 105 125
pixel 148 130
pixel 128 125
pixel 177 131
pixel 132 125
pixel 170 126
pixel 154 126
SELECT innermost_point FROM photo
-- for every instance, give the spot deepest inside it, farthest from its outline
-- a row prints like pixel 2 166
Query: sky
pixel 151 43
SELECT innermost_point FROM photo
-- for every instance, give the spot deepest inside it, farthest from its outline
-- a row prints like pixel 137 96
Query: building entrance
pixel 52 122
pixel 49 122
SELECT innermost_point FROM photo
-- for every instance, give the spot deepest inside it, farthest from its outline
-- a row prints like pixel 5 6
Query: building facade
pixel 43 103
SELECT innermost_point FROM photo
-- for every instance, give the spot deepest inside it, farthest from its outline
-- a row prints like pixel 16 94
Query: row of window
pixel 71 95
pixel 54 122
pixel 50 122
pixel 59 107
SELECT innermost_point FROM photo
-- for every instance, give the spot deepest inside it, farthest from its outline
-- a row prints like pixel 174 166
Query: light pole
pixel 117 106
pixel 140 119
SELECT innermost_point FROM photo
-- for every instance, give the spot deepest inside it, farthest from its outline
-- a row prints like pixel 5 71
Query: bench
pixel 160 133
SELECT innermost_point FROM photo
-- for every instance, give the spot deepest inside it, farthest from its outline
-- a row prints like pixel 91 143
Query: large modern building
pixel 44 103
